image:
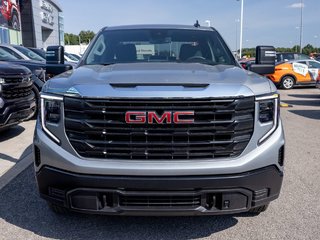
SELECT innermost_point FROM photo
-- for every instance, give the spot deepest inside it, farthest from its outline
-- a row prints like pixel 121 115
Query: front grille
pixel 17 79
pixel 17 92
pixel 96 128
pixel 159 201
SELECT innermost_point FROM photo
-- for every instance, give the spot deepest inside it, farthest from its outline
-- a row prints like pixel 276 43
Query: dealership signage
pixel 145 49
pixel 46 6
pixel 46 15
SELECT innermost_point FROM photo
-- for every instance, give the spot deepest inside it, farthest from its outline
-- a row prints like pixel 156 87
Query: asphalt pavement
pixel 295 215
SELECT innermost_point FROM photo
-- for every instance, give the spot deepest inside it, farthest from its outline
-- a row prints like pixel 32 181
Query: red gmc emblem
pixel 179 117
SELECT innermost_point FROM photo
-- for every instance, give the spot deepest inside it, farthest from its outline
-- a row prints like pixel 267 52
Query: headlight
pixel 266 111
pixel 269 113
pixel 50 113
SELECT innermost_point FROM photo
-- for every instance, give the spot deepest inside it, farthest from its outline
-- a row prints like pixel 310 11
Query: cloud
pixel 296 5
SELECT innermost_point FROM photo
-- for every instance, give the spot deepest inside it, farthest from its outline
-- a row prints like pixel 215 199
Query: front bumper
pixel 17 110
pixel 185 195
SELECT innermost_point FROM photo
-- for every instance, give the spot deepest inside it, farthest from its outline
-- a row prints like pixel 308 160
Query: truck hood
pixel 9 69
pixel 154 80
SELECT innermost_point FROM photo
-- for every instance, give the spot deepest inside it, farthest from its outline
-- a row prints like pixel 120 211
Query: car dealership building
pixel 33 23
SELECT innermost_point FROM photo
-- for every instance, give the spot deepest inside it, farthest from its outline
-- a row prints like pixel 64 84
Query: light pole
pixel 297 45
pixel 301 24
pixel 237 21
pixel 241 27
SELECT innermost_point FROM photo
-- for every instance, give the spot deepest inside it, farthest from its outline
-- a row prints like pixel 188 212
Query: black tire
pixel 258 210
pixel 287 82
pixel 58 209
pixel 14 22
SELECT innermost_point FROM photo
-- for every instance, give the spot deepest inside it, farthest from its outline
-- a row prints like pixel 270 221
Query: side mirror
pixel 56 69
pixel 265 60
pixel 55 55
pixel 55 61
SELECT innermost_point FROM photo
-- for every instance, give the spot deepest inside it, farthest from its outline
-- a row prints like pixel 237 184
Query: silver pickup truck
pixel 159 120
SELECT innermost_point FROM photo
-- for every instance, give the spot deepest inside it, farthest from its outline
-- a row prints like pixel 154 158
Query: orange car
pixel 300 72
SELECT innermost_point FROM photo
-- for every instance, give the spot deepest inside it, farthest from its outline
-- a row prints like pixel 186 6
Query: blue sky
pixel 274 22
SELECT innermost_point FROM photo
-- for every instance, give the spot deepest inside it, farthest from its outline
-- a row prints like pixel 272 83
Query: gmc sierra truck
pixel 17 100
pixel 160 120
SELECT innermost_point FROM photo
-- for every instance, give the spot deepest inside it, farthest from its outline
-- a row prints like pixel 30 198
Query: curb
pixel 285 105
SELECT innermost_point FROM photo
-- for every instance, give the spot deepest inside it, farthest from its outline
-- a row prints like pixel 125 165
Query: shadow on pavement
pixel 309 96
pixel 11 133
pixel 27 151
pixel 312 114
pixel 310 103
pixel 21 206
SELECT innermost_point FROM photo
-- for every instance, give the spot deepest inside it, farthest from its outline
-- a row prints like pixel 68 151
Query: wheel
pixel 258 210
pixel 15 23
pixel 58 209
pixel 287 82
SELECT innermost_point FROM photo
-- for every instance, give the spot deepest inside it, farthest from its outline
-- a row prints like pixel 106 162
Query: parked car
pixel 42 53
pixel 39 70
pixel 318 82
pixel 78 57
pixel 160 120
pixel 289 74
pixel 287 56
pixel 30 54
pixel 11 50
pixel 71 57
pixel 39 51
pixel 68 59
pixel 17 100
pixel 246 63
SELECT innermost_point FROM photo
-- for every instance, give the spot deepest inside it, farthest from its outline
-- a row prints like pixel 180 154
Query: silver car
pixel 159 120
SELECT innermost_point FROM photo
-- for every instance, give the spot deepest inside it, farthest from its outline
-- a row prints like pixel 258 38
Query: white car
pixel 67 59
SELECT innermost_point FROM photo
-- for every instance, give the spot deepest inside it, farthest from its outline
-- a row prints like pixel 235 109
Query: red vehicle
pixel 246 63
pixel 10 13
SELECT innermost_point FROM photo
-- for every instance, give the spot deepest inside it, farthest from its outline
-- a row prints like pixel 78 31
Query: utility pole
pixel 237 21
pixel 301 24
pixel 241 27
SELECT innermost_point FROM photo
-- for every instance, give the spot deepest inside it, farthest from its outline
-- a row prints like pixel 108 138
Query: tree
pixel 308 49
pixel 86 36
pixel 71 39
pixel 249 52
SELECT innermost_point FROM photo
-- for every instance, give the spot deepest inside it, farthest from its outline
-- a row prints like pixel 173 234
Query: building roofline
pixel 56 4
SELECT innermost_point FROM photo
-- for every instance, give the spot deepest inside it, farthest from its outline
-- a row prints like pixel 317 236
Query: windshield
pixel 30 54
pixel 159 45
pixel 5 56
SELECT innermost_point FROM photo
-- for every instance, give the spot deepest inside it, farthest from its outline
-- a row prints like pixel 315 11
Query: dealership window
pixel 15 37
pixel 4 35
